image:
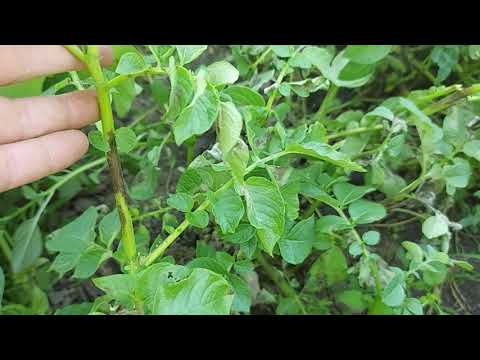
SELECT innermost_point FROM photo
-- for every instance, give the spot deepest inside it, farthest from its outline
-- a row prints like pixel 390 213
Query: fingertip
pixel 81 139
pixel 106 52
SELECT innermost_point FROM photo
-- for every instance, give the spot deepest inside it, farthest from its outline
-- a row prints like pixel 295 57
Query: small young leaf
pixel 126 140
pixel 188 53
pixel 366 212
pixel 131 63
pixel 180 201
pixel 371 237
pixel 472 149
pixel 229 125
pixel 97 140
pixel 265 210
pixel 244 96
pixel 198 218
pixel 228 209
pixel 435 226
pixel 367 54
pixel 347 193
pixel 222 73
pixel 296 245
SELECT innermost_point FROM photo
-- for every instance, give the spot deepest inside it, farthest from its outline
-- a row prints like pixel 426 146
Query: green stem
pixel 280 282
pixel 261 58
pixel 150 214
pixel 366 253
pixel 76 51
pixel 171 238
pixel 121 78
pixel 92 62
pixel 5 247
pixel 357 131
pixel 331 94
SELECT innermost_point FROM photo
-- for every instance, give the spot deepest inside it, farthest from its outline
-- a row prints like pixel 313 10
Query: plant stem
pixel 92 61
pixel 331 94
pixel 150 214
pixel 261 58
pixel 171 238
pixel 357 131
pixel 5 247
pixel 280 282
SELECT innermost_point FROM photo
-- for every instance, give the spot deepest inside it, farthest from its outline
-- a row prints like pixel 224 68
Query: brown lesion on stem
pixel 115 166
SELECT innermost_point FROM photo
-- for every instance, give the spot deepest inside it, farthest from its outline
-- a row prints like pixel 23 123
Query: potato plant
pixel 311 180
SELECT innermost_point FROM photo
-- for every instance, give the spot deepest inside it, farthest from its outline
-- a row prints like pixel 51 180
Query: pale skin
pixel 40 136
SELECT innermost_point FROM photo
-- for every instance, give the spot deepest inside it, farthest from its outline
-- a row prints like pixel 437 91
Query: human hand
pixel 39 135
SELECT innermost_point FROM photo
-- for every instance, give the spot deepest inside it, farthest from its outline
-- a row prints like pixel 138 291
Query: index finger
pixel 24 62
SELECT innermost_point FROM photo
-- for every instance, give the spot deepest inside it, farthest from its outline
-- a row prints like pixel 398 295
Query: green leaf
pixel 2 286
pixel 347 193
pixel 237 160
pixel 230 125
pixel 160 91
pixel 109 228
pixel 27 245
pixel 331 223
pixel 23 89
pixel 354 74
pixel 458 174
pixel 126 140
pixel 367 54
pixel 97 140
pixel 296 245
pixel 472 149
pixel 371 238
pixel 243 266
pixel 90 260
pixel 394 293
pixel 445 57
pixel 182 89
pixel 332 265
pixel 353 299
pixel 225 259
pixel 283 51
pixel 198 218
pixel 244 96
pixel 198 117
pixel 131 63
pixel 123 96
pixel 455 126
pixel 414 306
pixel 75 309
pixel 366 212
pixel 265 210
pixel 188 53
pixel 415 252
pixel 121 287
pixel 222 73
pixel 355 249
pixel 290 196
pixel 228 209
pixel 199 292
pixel 324 152
pixel 72 240
pixel 435 226
pixel 207 263
pixel 146 182
pixel 242 235
pixel 180 201
pixel 243 298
